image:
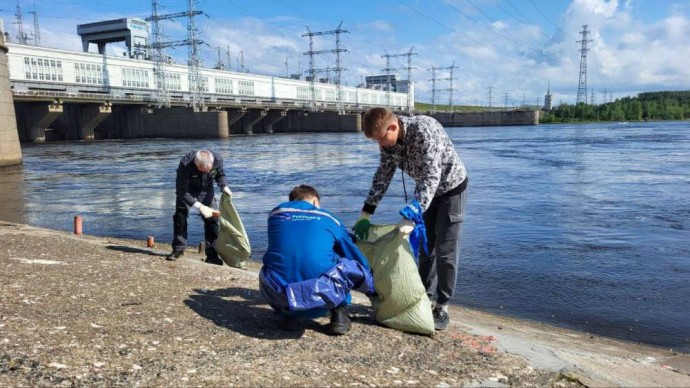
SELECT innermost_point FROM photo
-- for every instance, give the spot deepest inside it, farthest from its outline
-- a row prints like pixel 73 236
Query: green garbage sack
pixel 401 302
pixel 232 244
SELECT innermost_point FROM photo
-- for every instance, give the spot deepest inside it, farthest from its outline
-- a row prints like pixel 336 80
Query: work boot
pixel 340 322
pixel 174 255
pixel 441 319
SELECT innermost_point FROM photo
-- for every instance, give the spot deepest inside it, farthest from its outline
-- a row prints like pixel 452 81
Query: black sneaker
pixel 290 323
pixel 215 260
pixel 174 255
pixel 441 319
pixel 340 322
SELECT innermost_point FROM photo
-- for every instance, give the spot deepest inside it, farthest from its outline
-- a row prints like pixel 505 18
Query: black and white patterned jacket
pixel 427 155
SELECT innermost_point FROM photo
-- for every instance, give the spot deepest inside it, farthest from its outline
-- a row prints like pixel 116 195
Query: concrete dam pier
pixel 40 121
pixel 10 151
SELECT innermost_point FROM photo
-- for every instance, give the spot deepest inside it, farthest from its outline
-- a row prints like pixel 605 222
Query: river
pixel 582 226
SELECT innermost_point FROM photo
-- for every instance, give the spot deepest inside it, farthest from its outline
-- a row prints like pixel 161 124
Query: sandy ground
pixel 92 311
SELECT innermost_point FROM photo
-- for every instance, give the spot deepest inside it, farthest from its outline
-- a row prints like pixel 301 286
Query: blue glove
pixel 414 215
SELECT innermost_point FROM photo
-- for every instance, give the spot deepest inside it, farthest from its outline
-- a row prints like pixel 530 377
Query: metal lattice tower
pixel 219 64
pixel 22 38
pixel 388 77
pixel 433 88
pixel 582 86
pixel 162 96
pixel 338 69
pixel 388 70
pixel 433 85
pixel 491 90
pixel 450 87
pixel 37 30
pixel 195 80
pixel 287 66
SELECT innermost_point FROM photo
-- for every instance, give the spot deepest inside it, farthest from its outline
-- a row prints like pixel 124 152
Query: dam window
pixel 173 81
pixel 135 78
pixel 245 88
pixel 88 73
pixel 303 92
pixel 223 85
pixel 42 69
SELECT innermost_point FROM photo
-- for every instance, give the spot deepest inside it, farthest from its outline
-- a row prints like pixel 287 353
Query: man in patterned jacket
pixel 420 147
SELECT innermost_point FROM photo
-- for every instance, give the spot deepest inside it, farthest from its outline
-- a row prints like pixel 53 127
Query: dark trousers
pixel 211 229
pixel 439 269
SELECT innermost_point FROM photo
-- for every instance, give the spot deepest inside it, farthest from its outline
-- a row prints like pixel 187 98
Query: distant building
pixel 402 86
pixel 548 100
pixel 133 31
pixel 381 82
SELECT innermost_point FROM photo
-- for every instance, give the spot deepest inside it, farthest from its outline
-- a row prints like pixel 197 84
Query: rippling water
pixel 582 226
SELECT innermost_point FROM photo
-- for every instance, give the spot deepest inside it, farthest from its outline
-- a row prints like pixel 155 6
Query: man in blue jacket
pixel 196 173
pixel 311 263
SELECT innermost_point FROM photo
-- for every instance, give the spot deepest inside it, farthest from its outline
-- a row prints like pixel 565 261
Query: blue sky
pixel 513 47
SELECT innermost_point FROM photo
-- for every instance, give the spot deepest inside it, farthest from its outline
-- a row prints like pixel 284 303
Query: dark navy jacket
pixel 311 260
pixel 192 185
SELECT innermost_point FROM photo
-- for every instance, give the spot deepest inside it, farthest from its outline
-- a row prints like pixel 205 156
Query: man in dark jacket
pixel 194 188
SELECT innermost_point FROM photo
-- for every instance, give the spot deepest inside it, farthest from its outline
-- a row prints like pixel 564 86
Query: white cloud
pixel 376 25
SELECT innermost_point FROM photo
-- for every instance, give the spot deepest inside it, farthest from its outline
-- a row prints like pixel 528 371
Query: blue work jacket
pixel 311 260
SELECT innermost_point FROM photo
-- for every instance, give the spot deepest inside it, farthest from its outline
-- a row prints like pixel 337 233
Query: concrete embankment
pixel 488 118
pixel 83 310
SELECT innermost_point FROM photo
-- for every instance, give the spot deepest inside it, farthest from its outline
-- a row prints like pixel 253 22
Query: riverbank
pixel 83 310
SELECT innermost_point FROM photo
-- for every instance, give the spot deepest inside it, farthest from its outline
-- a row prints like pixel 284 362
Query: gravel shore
pixel 95 311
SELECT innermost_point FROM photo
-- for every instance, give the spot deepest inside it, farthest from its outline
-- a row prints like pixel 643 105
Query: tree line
pixel 669 105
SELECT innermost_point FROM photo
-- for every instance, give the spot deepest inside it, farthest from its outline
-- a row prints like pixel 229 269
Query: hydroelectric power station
pixel 54 94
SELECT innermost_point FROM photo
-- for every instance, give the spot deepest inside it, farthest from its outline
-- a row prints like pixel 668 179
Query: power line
pixel 512 38
pixel 545 17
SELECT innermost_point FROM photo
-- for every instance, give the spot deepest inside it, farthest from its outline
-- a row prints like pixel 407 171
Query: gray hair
pixel 204 159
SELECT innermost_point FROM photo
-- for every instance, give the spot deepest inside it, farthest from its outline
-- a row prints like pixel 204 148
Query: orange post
pixel 77 225
pixel 149 242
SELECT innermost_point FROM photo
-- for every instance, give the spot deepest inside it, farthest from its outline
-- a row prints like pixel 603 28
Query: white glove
pixel 206 211
pixel 405 226
pixel 227 191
